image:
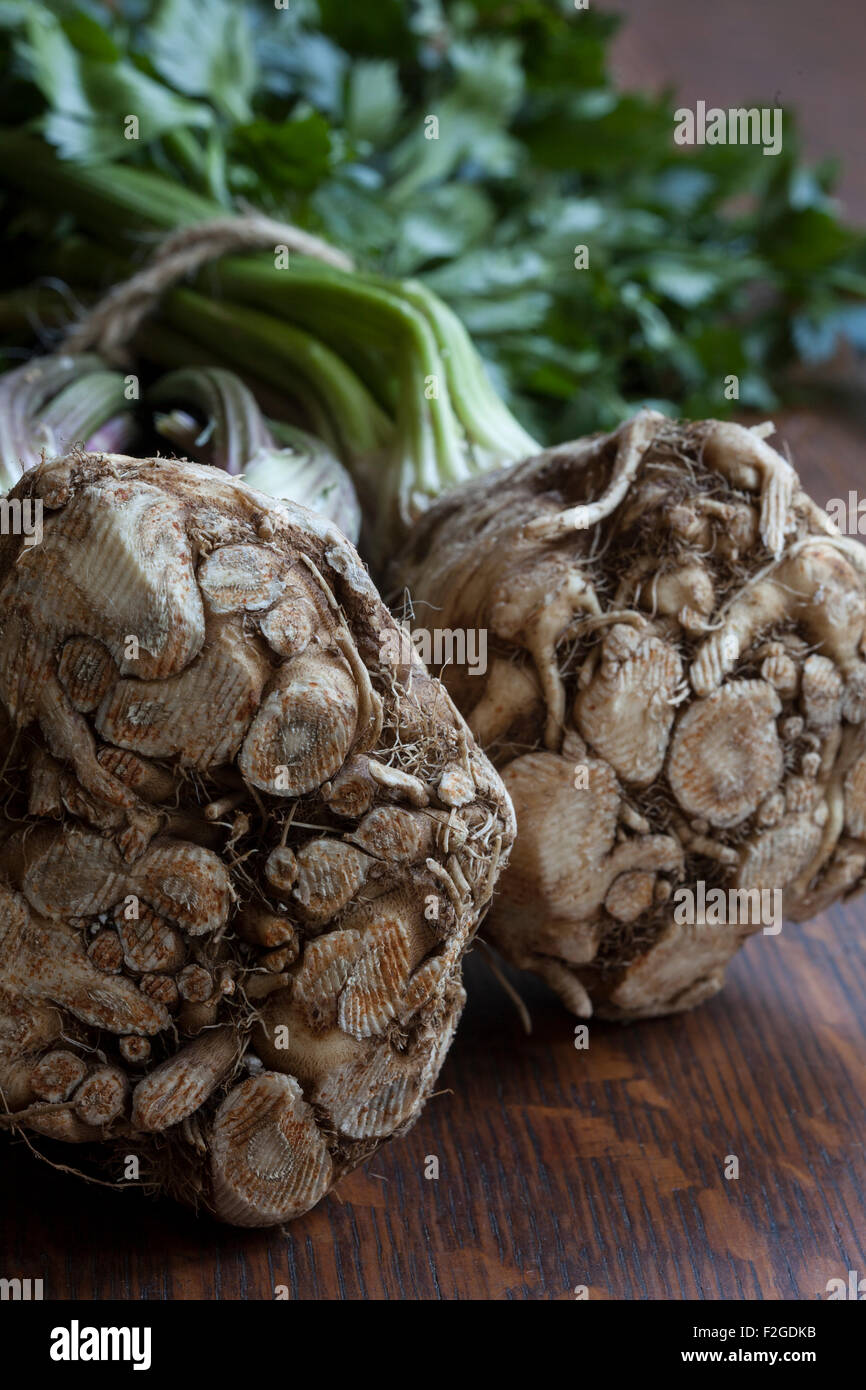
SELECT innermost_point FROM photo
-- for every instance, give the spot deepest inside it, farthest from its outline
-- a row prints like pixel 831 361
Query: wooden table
pixel 557 1167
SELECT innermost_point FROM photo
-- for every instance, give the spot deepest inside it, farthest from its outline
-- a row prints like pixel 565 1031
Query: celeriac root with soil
pixel 675 696
pixel 241 856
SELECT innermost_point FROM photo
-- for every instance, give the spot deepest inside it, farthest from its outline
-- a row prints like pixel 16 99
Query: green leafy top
pixel 703 263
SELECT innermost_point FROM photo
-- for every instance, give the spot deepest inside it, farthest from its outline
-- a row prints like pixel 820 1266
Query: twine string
pixel 108 327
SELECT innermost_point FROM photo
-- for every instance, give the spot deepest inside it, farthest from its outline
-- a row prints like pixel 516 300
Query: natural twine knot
pixel 108 327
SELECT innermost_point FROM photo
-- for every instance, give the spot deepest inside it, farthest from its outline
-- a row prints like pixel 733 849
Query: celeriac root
pixel 675 696
pixel 225 945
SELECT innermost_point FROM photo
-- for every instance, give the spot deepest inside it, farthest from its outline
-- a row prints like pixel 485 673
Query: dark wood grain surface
pixel 561 1168
pixel 557 1167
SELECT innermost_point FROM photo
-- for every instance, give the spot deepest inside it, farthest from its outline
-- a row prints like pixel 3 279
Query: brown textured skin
pixel 108 825
pixel 695 650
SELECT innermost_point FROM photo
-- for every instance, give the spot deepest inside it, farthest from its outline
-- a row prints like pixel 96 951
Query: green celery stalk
pixel 404 391
pixel 274 351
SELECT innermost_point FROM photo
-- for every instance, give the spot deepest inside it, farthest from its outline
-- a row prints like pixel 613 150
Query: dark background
pixel 797 53
pixel 604 1168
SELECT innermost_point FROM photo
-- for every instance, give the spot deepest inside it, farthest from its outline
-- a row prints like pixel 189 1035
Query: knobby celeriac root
pixel 674 693
pixel 235 885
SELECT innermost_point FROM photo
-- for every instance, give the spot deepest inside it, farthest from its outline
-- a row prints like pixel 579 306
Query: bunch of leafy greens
pixel 472 146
